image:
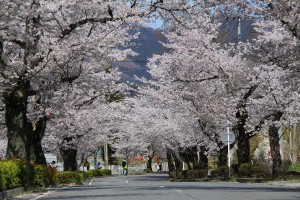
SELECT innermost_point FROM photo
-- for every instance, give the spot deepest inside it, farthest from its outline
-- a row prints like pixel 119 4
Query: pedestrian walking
pixel 125 167
pixel 87 165
pixel 98 165
pixel 158 166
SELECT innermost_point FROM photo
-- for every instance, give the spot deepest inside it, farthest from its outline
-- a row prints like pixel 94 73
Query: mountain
pixel 147 44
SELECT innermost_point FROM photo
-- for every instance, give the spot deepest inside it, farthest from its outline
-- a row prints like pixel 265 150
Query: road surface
pixel 157 187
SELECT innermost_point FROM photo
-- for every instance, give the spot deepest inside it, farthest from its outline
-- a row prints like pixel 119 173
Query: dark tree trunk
pixel 223 154
pixel 69 155
pixel 275 150
pixel 23 141
pixel 15 116
pixel 70 161
pixel 275 147
pixel 177 161
pixel 36 132
pixel 171 165
pixel 203 160
pixel 187 156
pixel 190 155
pixel 149 163
pixel 243 151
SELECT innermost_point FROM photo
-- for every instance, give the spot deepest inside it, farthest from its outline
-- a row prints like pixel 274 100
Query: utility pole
pixel 281 143
pixel 291 142
pixel 239 29
pixel 106 155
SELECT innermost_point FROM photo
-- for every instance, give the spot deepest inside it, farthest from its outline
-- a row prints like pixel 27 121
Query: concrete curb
pixel 11 193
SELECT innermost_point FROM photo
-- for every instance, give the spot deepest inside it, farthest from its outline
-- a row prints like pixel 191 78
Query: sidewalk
pixel 34 195
pixel 286 184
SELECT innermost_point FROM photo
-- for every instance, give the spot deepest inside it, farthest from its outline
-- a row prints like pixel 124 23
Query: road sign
pixel 228 136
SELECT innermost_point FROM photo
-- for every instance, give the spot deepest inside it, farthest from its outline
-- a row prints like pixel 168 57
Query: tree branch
pixel 194 81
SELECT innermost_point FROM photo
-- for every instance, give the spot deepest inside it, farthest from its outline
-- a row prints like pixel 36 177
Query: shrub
pixel 234 169
pixel 53 176
pixel 42 175
pixel 26 172
pixel 148 170
pixel 194 174
pixel 220 172
pixel 101 172
pixel 295 167
pixel 9 175
pixel 67 177
pixel 2 177
pixel 95 173
pixel 137 172
pixel 256 170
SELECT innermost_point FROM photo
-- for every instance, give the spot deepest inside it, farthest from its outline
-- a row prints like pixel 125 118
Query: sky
pixel 158 23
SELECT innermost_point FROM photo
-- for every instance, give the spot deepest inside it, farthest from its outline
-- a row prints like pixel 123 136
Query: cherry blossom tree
pixel 46 43
pixel 277 48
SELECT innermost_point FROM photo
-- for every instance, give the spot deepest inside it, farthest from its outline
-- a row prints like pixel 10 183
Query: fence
pixel 117 169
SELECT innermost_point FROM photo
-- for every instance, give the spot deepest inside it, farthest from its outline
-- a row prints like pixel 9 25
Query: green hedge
pixel 44 175
pixel 220 172
pixel 194 174
pixel 10 175
pixel 67 177
pixel 255 170
pixel 18 173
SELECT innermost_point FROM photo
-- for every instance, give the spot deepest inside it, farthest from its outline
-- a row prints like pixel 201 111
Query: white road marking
pixel 90 183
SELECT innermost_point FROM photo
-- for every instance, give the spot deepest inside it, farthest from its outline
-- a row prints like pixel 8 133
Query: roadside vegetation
pixel 18 173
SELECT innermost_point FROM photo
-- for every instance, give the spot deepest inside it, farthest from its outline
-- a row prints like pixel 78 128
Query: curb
pixel 11 193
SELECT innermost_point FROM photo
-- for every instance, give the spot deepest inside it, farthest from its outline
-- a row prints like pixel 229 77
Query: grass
pixel 295 167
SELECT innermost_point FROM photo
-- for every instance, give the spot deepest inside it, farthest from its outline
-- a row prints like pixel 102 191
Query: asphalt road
pixel 152 187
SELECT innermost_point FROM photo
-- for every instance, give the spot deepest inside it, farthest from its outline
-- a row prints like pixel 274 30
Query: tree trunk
pixel 203 160
pixel 187 156
pixel 177 161
pixel 223 154
pixel 70 161
pixel 24 141
pixel 274 146
pixel 275 150
pixel 15 116
pixel 149 163
pixel 36 132
pixel 243 151
pixel 69 155
pixel 190 155
pixel 171 165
